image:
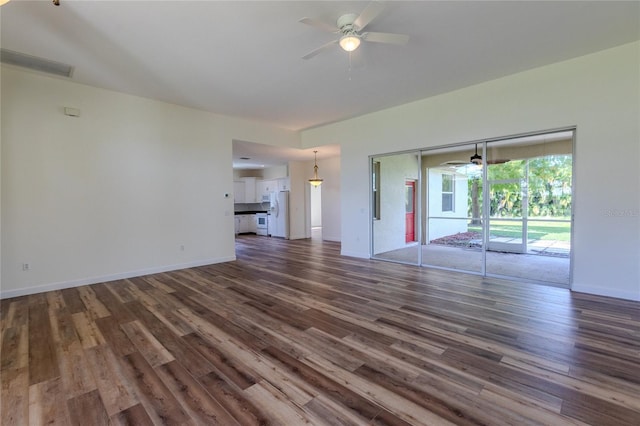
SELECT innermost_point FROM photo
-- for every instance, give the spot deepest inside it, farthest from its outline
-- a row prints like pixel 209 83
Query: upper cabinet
pixel 264 187
pixel 239 192
pixel 283 184
pixel 244 191
pixel 250 190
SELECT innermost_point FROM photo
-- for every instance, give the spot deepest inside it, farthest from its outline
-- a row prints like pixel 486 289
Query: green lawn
pixel 538 230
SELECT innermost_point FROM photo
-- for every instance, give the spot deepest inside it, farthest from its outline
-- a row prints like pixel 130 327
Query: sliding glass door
pixel 529 205
pixel 499 208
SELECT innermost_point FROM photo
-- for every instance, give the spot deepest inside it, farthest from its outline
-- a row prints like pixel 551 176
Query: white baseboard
pixel 606 291
pixel 333 238
pixel 112 277
pixel 297 237
pixel 355 254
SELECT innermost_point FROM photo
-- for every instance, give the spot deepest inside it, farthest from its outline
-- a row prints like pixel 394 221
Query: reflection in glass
pixel 395 218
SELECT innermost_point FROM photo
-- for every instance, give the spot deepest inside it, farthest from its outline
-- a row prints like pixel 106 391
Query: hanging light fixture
pixel 476 159
pixel 315 181
pixel 4 2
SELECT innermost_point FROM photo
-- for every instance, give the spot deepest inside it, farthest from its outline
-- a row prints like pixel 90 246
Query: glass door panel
pixel 453 210
pixel 506 230
pixel 529 223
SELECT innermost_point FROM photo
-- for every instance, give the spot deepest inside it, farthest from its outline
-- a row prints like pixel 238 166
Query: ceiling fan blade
pixel 369 13
pixel 320 49
pixel 320 25
pixel 389 38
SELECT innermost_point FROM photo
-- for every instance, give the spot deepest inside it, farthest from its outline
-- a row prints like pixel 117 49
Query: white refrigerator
pixel 279 214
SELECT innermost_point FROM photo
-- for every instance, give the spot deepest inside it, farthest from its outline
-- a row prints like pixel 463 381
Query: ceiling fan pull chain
pixel 350 53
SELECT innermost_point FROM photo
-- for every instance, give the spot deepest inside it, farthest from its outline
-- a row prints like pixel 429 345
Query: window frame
pixel 448 177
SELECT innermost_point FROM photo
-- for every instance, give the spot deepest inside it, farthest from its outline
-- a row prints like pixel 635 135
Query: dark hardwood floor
pixel 292 333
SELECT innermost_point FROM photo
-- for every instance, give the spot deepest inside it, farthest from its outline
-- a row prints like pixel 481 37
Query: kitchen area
pixel 272 195
pixel 261 206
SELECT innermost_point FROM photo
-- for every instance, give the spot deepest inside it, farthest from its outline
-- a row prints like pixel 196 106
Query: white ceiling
pixel 251 155
pixel 243 58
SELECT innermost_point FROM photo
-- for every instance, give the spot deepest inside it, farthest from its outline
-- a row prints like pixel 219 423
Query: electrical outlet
pixel 26 267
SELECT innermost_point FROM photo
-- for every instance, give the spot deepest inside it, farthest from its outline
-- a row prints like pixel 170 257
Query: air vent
pixel 34 63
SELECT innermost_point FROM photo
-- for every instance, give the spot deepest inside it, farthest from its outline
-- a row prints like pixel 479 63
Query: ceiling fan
pixel 350 28
pixel 475 159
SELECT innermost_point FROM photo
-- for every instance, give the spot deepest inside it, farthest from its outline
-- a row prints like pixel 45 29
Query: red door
pixel 410 202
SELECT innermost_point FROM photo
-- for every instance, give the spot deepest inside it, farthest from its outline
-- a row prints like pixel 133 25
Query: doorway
pixel 410 215
pixel 315 203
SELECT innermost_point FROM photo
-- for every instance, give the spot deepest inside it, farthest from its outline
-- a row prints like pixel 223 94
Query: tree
pixel 548 186
pixel 475 202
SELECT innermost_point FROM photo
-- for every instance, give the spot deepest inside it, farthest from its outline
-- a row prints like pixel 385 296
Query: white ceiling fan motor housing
pixel 345 23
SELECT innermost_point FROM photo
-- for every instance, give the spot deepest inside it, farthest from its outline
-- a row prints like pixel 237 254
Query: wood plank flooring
pixel 292 333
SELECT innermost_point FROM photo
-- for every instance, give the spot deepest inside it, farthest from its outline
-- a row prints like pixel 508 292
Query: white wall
pixel 115 192
pixel 275 172
pixel 597 93
pixel 329 171
pixel 238 174
pixel 456 220
pixel 299 218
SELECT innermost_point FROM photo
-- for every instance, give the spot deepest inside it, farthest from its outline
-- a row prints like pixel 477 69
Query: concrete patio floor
pixel 546 262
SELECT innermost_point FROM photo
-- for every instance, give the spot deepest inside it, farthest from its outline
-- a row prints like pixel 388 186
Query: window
pixel 448 186
pixel 376 190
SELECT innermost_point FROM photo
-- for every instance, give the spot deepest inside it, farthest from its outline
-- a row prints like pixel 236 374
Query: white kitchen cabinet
pixel 283 184
pixel 236 221
pixel 250 190
pixel 252 224
pixel 239 192
pixel 245 223
pixel 265 187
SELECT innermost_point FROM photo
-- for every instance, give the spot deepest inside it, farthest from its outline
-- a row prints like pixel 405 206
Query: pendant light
pixel 315 181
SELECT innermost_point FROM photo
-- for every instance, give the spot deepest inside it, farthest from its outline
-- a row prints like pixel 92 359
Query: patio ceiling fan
pixel 350 28
pixel 475 159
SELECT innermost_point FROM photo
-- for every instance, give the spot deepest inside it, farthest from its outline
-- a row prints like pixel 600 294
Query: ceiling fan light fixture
pixel 349 42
